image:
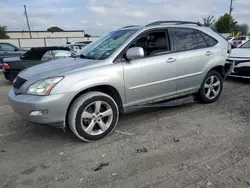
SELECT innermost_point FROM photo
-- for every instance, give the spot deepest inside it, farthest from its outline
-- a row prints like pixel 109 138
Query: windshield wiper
pixel 86 57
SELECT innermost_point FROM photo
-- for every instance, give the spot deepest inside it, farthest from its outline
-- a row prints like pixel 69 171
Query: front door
pixel 154 76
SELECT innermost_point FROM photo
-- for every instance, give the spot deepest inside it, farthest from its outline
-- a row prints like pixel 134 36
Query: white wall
pixel 29 43
pixel 16 35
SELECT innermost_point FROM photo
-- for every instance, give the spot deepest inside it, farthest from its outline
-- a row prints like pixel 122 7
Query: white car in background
pixel 76 47
pixel 238 41
pixel 241 57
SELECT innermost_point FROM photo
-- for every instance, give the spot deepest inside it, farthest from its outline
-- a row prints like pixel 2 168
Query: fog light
pixel 39 113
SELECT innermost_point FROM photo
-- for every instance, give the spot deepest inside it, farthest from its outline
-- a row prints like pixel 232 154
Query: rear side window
pixel 208 39
pixel 200 41
pixel 184 39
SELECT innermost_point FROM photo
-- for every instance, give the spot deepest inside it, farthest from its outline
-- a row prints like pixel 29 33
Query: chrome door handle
pixel 171 60
pixel 208 53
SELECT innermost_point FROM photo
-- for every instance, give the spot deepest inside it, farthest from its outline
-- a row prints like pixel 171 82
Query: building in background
pixel 45 34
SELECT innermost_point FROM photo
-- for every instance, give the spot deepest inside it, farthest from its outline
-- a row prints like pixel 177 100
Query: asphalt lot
pixel 188 146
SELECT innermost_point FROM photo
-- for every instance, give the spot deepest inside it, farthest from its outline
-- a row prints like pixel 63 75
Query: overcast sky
pixel 99 16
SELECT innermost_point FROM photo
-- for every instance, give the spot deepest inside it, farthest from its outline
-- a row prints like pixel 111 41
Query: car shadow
pixel 239 80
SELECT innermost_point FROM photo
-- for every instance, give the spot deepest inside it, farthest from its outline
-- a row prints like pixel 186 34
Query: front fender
pixel 80 81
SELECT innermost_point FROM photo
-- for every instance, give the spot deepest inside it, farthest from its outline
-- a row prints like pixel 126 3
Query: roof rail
pixel 128 26
pixel 176 22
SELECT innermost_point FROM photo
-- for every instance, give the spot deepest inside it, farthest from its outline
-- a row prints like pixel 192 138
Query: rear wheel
pixel 211 88
pixel 93 116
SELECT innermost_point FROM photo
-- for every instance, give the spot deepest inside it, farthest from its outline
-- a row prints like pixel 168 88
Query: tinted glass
pixel 201 42
pixel 184 39
pixel 242 38
pixel 208 39
pixel 7 47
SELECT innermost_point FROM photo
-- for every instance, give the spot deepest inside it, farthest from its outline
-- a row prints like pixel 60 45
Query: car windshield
pixel 246 45
pixel 106 45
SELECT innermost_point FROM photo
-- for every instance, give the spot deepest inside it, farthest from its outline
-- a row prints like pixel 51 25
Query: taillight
pixel 240 42
pixel 6 66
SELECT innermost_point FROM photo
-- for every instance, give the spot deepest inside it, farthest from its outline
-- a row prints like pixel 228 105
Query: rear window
pixel 208 39
pixel 242 38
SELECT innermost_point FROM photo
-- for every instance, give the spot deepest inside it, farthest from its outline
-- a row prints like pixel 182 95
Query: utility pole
pixel 27 19
pixel 231 7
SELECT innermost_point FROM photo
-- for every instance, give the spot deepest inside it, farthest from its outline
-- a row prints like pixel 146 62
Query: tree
pixel 87 35
pixel 243 28
pixel 3 34
pixel 54 29
pixel 209 20
pixel 226 24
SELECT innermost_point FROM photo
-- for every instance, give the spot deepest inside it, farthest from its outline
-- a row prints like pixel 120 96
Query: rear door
pixel 194 52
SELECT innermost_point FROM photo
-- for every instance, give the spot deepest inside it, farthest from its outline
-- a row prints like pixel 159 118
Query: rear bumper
pixel 10 75
pixel 54 106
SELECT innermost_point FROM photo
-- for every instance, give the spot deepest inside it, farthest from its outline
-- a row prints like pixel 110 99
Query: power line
pixel 27 19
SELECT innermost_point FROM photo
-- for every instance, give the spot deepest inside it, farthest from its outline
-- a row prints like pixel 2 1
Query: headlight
pixel 43 87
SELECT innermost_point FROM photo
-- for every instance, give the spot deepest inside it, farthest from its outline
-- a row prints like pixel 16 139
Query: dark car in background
pixel 9 50
pixel 12 66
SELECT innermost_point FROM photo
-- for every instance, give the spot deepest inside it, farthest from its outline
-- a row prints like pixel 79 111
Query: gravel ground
pixel 188 146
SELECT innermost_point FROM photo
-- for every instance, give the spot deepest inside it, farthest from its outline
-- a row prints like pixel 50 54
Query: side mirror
pixel 16 49
pixel 135 53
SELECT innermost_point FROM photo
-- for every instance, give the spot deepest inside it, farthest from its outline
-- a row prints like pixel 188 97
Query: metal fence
pixel 39 42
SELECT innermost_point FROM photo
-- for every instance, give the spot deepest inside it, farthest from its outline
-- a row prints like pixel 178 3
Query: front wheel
pixel 93 116
pixel 211 87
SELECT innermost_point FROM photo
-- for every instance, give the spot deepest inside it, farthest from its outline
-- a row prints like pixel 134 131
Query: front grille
pixel 18 82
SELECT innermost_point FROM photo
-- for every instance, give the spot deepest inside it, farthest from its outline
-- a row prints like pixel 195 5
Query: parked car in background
pixel 240 40
pixel 76 47
pixel 241 56
pixel 126 68
pixel 13 65
pixel 9 50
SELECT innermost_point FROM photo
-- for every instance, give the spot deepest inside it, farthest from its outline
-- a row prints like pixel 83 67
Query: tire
pixel 87 119
pixel 203 94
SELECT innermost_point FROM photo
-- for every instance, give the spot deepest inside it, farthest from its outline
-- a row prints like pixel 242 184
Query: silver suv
pixel 132 66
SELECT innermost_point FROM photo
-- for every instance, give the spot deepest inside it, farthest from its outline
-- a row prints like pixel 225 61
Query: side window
pixel 153 43
pixel 200 41
pixel 208 39
pixel 7 47
pixel 184 39
pixel 47 56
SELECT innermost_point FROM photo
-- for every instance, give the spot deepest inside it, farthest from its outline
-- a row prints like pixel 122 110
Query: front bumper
pixel 55 105
pixel 241 68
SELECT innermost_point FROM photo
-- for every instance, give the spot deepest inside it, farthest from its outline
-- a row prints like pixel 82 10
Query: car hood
pixel 240 53
pixel 11 59
pixel 59 67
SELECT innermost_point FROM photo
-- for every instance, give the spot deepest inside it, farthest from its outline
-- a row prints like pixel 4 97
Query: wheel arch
pixel 107 89
pixel 219 69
